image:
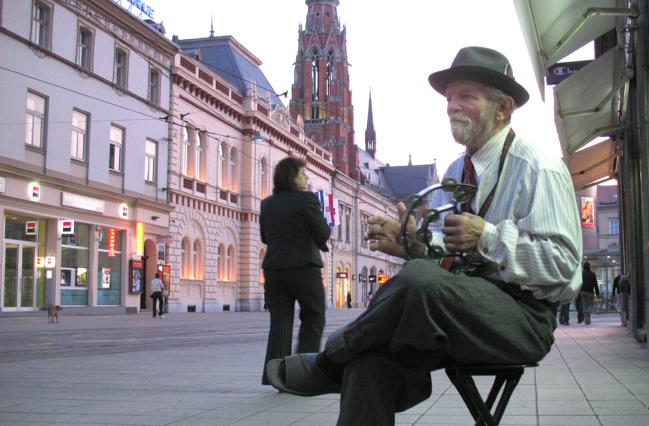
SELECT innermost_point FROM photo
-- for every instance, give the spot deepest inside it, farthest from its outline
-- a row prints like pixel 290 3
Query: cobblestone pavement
pixel 205 369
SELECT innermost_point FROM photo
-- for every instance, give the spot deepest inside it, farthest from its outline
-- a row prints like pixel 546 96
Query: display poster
pixel 587 212
pixel 105 277
pixel 136 269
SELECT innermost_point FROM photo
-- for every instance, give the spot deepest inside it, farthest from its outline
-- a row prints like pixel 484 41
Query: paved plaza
pixel 205 369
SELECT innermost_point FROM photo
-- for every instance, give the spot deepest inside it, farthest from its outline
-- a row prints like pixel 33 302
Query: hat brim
pixel 440 79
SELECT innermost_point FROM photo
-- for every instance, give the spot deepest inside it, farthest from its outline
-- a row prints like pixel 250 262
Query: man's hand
pixel 462 231
pixel 383 232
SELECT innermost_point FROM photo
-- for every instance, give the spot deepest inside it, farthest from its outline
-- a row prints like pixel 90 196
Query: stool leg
pixel 511 384
pixel 461 384
pixel 465 385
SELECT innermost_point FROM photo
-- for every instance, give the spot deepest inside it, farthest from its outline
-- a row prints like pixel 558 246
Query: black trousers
pixel 282 288
pixel 157 296
pixel 420 317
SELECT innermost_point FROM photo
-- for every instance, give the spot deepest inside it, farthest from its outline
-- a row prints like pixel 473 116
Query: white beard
pixel 469 133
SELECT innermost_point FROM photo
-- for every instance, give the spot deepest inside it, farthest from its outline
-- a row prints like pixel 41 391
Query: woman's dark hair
pixel 587 266
pixel 285 173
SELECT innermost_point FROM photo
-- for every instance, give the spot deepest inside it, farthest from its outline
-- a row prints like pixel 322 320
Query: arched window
pixel 263 177
pixel 331 73
pixel 262 279
pixel 220 261
pixel 184 258
pixel 184 155
pixel 197 260
pixel 234 182
pixel 223 163
pixel 314 87
pixel 229 264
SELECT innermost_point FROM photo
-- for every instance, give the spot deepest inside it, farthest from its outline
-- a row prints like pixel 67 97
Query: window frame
pixel 79 131
pixel 123 71
pixel 150 162
pixel 112 143
pixel 154 88
pixel 38 36
pixel 43 118
pixel 85 52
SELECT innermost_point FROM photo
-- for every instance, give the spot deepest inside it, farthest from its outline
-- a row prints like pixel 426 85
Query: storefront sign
pixel 34 191
pixel 382 278
pixel 139 239
pixel 587 212
pixel 82 202
pixel 31 227
pixel 50 262
pixel 139 5
pixel 341 274
pixel 67 227
pixel 2 184
pixel 112 241
pixel 123 211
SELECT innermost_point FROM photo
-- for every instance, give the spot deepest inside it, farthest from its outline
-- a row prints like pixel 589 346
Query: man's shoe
pixel 302 376
pixel 162 316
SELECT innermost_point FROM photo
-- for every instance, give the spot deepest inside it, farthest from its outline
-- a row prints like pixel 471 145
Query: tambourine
pixel 417 208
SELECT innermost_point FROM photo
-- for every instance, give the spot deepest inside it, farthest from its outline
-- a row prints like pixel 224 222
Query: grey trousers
pixel 417 319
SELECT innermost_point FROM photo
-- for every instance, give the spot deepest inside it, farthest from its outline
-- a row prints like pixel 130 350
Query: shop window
pixel 41 24
pixel 35 120
pixel 109 266
pixel 74 266
pixel 79 140
pixel 16 228
pixel 121 67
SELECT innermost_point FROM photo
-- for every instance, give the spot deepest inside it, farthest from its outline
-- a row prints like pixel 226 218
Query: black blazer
pixel 294 229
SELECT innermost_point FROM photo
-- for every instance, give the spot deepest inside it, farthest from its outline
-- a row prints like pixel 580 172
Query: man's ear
pixel 505 109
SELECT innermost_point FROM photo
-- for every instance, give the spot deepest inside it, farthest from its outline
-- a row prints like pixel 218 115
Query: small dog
pixel 53 313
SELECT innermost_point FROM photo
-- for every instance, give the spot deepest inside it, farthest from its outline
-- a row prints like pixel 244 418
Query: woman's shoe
pixel 300 375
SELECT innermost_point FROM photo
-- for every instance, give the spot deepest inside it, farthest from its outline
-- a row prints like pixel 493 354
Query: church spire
pixel 370 133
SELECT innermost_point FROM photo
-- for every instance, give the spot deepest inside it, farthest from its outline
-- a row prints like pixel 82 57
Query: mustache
pixel 461 118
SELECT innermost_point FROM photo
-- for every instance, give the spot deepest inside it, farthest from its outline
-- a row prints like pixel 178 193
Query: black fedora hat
pixel 483 65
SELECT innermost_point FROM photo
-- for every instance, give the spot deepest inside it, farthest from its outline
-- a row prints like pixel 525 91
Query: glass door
pixel 10 290
pixel 19 288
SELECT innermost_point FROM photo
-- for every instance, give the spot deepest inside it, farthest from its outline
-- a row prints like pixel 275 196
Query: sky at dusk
pixel 392 47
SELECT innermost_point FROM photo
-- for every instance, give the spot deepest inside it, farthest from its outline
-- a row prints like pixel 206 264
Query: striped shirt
pixel 532 236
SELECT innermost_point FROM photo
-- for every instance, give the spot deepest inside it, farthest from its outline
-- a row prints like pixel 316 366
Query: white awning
pixel 554 29
pixel 587 104
pixel 592 165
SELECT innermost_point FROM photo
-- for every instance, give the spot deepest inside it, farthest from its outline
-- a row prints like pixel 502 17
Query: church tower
pixel 320 94
pixel 370 133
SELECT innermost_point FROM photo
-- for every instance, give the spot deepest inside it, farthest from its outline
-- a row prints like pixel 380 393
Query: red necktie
pixel 468 177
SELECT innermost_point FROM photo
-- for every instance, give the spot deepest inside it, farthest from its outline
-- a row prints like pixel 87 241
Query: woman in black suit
pixel 294 229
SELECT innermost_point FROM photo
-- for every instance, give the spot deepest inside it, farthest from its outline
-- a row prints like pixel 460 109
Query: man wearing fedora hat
pixel 523 226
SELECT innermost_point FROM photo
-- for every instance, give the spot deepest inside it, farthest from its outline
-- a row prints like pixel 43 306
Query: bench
pixel 461 375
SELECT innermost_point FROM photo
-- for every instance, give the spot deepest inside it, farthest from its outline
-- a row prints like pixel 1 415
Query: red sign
pixel 382 278
pixel 31 227
pixel 67 227
pixel 112 241
pixel 35 191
